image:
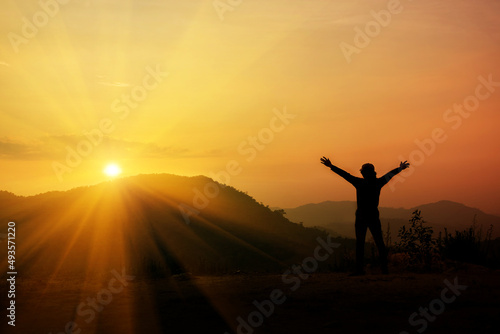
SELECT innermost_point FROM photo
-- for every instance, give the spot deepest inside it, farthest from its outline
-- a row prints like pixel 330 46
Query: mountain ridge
pixel 339 216
pixel 137 223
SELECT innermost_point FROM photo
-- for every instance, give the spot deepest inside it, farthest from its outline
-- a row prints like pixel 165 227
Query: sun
pixel 112 170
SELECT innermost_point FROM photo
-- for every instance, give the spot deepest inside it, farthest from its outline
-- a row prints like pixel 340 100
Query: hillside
pixel 73 246
pixel 155 224
pixel 338 217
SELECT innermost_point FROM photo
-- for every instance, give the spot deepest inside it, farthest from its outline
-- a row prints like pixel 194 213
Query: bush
pixel 416 242
pixel 417 250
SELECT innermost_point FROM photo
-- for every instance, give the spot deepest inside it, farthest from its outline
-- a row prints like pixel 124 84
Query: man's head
pixel 368 171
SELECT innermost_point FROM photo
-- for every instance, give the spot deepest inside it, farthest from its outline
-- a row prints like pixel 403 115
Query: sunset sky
pixel 179 87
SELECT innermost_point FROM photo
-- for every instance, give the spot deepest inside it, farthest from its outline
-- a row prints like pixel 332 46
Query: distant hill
pixel 338 217
pixel 136 222
pixel 7 196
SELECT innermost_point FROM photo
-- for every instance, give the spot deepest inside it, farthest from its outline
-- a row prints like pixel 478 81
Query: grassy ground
pixel 323 303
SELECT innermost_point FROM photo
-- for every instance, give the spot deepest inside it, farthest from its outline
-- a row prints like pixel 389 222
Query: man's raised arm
pixel 348 177
pixel 402 166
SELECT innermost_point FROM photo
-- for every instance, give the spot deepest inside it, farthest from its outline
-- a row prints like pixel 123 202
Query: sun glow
pixel 112 170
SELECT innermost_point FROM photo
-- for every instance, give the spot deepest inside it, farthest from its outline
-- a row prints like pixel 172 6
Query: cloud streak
pixel 55 148
pixel 114 84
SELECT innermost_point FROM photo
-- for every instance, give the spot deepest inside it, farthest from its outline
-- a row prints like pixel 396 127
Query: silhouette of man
pixel 367 215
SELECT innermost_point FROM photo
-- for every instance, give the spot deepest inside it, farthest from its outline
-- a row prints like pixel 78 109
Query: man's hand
pixel 404 165
pixel 326 162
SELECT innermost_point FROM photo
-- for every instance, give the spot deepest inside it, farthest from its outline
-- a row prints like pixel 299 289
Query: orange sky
pixel 176 89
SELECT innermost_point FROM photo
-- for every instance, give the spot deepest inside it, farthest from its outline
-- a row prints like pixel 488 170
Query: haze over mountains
pixel 167 224
pixel 338 217
pixel 137 222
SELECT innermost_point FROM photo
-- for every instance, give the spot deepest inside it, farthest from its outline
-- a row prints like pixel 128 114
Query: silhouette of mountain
pixel 338 217
pixel 7 196
pixel 157 224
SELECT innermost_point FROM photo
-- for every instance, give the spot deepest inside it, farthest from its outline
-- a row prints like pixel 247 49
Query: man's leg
pixel 376 230
pixel 360 227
